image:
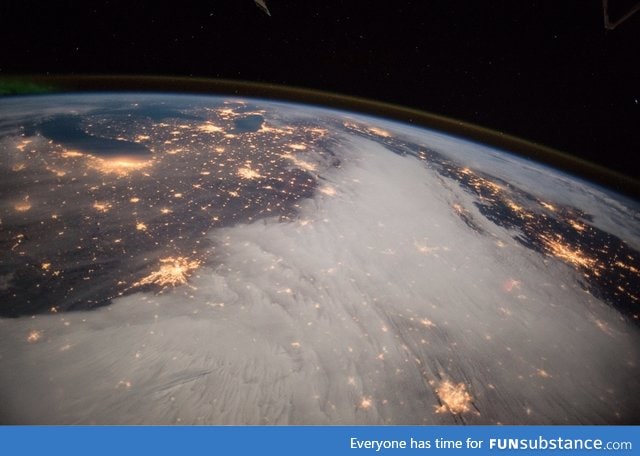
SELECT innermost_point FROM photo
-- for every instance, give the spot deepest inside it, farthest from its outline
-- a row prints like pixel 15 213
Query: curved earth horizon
pixel 223 260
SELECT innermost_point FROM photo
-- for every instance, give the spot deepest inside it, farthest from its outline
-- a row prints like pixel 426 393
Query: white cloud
pixel 354 313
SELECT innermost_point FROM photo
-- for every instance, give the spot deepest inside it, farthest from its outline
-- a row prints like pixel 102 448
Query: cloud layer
pixel 372 307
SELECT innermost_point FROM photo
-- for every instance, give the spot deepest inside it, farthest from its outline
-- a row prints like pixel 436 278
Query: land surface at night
pixel 193 259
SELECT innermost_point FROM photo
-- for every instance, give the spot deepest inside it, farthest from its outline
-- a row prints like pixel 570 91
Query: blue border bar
pixel 312 440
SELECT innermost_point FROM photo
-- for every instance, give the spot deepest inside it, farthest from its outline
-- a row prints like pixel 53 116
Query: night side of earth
pixel 182 259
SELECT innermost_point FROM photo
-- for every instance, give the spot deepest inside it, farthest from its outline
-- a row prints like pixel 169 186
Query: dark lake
pixel 249 123
pixel 66 130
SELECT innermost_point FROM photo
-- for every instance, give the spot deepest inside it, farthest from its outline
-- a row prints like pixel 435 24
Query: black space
pixel 545 70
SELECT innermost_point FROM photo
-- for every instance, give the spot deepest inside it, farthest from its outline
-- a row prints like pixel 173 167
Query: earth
pixel 216 260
